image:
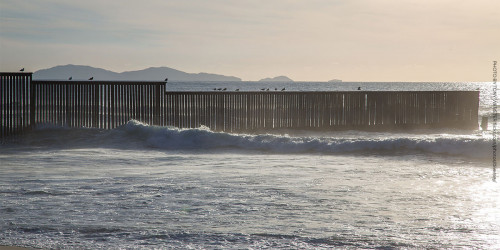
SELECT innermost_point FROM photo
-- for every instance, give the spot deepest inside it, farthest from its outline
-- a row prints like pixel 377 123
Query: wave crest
pixel 203 138
pixel 137 135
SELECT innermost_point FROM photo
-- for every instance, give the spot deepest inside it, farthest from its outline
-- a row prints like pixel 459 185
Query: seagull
pixel 70 78
pixel 237 90
pixel 92 78
pixel 215 89
pixel 22 70
pixel 224 89
pixel 219 89
pixel 359 88
pixel 275 89
pixel 283 89
pixel 263 89
pixel 166 79
pixel 267 89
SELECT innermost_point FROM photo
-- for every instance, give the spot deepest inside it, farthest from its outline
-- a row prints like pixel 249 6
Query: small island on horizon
pixel 276 79
pixel 335 80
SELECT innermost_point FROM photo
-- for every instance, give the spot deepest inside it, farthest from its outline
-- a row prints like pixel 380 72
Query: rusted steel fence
pixel 109 104
pixel 14 103
pixel 364 110
pixel 96 104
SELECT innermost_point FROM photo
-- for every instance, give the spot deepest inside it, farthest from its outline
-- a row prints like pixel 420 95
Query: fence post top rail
pixel 15 73
pixel 108 82
pixel 323 92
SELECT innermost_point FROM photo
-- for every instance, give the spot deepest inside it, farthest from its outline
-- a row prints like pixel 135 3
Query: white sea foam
pixel 141 186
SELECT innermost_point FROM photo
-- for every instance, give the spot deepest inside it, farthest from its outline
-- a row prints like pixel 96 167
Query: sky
pixel 306 40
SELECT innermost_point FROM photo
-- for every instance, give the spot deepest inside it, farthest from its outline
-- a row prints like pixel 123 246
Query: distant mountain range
pixel 80 72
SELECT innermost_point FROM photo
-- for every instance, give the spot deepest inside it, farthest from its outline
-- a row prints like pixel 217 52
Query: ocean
pixel 147 187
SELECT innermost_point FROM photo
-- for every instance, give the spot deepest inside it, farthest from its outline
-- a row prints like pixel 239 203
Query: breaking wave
pixel 136 135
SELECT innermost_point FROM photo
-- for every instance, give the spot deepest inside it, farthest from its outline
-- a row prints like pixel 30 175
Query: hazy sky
pixel 306 40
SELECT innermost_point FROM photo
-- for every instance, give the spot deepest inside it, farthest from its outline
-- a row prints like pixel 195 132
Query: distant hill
pixel 277 79
pixel 80 72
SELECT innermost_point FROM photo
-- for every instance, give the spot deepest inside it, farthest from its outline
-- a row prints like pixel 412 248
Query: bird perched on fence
pixel 22 70
pixel 237 90
pixel 92 78
pixel 166 79
pixel 283 89
pixel 263 89
pixel 215 89
pixel 267 89
pixel 359 88
pixel 224 89
pixel 70 78
pixel 219 89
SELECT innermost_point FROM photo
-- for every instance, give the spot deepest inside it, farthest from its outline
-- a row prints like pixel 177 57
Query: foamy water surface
pixel 141 186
